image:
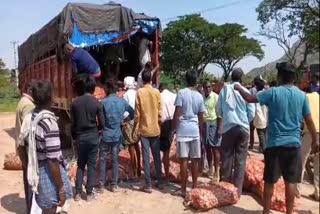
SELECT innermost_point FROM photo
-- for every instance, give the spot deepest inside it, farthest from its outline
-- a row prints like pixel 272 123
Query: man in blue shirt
pixel 82 61
pixel 114 107
pixel 236 115
pixel 288 106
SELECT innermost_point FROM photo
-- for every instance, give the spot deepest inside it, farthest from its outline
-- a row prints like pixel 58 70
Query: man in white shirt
pixel 260 118
pixel 167 98
pixel 133 144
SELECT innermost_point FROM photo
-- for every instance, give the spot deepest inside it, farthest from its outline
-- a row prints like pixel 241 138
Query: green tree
pixel 303 17
pixel 233 46
pixel 186 45
pixel 292 20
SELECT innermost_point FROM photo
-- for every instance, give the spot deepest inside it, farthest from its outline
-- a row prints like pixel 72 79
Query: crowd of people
pixel 211 130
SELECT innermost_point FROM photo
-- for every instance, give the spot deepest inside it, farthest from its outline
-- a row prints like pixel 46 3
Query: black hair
pixel 111 86
pixel 206 82
pixel 237 74
pixel 42 94
pixel 273 84
pixel 149 66
pixel 146 75
pixel 28 86
pixel 89 85
pixel 120 85
pixel 260 84
pixel 163 86
pixel 286 72
pixel 191 78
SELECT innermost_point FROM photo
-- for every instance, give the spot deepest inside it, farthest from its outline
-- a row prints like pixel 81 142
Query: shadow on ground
pixel 13 203
pixel 11 132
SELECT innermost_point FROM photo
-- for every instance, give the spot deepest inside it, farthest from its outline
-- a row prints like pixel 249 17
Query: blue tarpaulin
pixel 80 39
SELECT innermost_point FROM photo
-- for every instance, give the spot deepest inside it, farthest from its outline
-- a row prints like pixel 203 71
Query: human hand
pixel 172 135
pixel 237 87
pixel 62 197
pixel 220 132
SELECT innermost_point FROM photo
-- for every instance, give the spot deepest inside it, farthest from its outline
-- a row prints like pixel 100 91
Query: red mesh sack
pixel 212 196
pixel 201 198
pixel 12 162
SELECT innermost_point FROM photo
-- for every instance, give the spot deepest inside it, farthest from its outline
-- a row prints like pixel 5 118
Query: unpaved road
pixel 127 201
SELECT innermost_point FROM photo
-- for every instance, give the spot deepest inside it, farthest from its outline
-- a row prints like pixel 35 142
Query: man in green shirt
pixel 211 136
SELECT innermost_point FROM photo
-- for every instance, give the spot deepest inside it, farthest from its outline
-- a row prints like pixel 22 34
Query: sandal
pixel 179 193
pixel 146 189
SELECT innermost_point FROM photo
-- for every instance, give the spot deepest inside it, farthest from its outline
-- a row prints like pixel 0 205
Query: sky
pixel 19 19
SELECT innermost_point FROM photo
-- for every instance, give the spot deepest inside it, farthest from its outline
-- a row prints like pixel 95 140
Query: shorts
pixel 285 161
pixel 189 149
pixel 165 143
pixel 211 136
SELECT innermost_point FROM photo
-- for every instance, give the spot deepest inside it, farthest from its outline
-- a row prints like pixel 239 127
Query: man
pixel 167 98
pixel 127 130
pixel 114 108
pixel 187 126
pixel 287 107
pixel 25 106
pixel 313 98
pixel 260 118
pixel 211 138
pixel 148 119
pixel 82 61
pixel 85 110
pixel 237 115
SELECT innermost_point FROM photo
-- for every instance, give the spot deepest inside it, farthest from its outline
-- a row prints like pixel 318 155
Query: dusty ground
pixel 128 200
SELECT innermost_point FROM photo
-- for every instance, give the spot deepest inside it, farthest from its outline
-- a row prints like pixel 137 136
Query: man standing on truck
pixel 82 61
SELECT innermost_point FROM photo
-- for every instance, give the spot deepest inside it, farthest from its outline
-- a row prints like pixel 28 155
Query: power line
pixel 209 9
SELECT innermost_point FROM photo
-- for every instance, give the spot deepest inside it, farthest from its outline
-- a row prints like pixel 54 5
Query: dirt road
pixel 128 200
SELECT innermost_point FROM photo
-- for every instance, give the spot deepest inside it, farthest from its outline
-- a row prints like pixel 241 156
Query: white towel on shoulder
pixel 230 96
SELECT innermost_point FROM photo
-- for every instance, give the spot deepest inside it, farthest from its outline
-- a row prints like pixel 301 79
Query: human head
pixel 273 84
pixel 286 73
pixel 149 66
pixel 207 88
pixel 89 85
pixel 191 78
pixel 163 86
pixel 42 94
pixel 236 75
pixel 28 87
pixel 68 48
pixel 259 83
pixel 111 87
pixel 129 82
pixel 146 76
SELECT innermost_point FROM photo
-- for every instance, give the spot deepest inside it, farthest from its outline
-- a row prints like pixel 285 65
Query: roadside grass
pixel 8 104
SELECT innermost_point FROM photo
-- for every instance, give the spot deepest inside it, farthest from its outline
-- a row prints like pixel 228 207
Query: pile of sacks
pixel 12 162
pixel 211 196
pixel 253 182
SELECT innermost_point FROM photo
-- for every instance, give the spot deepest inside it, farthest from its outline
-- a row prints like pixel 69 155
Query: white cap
pixel 129 82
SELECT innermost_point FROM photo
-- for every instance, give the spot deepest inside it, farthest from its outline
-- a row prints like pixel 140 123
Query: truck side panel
pixel 58 74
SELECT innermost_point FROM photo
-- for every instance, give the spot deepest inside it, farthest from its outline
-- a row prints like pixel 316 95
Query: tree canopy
pixel 233 46
pixel 191 43
pixel 303 17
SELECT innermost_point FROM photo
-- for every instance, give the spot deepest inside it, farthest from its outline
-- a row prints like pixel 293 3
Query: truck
pixel 107 31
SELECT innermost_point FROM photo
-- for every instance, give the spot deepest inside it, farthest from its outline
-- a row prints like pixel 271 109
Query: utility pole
pixel 14 44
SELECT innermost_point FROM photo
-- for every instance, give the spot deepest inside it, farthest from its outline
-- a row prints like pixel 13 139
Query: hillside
pixel 271 67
